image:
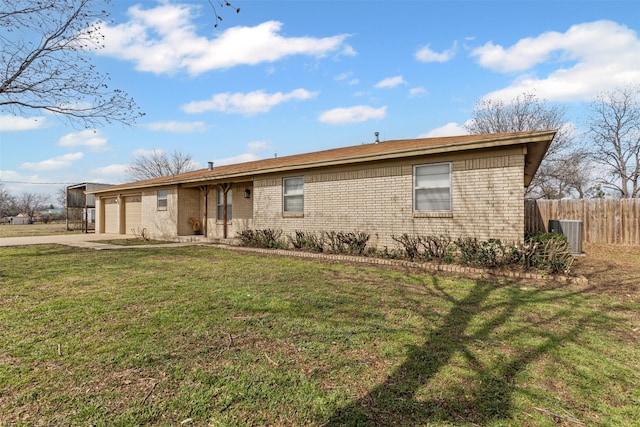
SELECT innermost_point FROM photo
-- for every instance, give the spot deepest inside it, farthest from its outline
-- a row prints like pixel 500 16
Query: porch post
pixel 205 229
pixel 225 189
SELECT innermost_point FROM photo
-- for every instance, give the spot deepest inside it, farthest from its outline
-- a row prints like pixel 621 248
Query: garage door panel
pixel 111 216
pixel 133 214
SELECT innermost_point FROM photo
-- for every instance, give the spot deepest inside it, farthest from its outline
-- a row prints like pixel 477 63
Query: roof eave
pixel 544 139
pixel 537 144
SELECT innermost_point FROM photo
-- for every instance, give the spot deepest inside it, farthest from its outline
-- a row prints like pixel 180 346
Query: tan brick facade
pixel 487 201
pixel 242 211
pixel 367 188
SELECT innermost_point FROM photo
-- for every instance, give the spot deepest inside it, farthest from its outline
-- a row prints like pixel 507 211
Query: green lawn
pixel 24 230
pixel 206 336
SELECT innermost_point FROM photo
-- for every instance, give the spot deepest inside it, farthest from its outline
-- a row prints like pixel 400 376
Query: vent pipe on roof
pixel 377 134
pixel 210 165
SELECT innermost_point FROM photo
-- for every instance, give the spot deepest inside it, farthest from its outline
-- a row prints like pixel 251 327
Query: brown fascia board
pixel 202 176
pixel 541 139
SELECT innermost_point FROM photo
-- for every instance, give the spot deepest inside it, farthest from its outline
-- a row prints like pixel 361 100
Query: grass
pixel 205 336
pixel 134 242
pixel 8 230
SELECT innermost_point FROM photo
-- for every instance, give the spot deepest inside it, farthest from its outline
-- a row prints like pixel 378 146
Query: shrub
pixel 247 237
pixel 266 238
pixel 345 242
pixel 468 250
pixel 425 247
pixel 488 253
pixel 307 241
pixel 548 251
pixel 409 245
pixel 437 247
pixel 355 243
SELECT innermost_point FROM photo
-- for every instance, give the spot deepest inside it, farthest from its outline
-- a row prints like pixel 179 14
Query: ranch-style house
pixel 461 186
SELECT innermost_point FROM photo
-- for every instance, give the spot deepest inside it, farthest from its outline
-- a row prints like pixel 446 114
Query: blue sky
pixel 289 77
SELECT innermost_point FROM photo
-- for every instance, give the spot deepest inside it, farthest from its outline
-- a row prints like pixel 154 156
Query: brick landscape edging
pixel 428 266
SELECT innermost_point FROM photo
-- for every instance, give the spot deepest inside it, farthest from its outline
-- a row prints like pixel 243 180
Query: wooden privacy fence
pixel 605 221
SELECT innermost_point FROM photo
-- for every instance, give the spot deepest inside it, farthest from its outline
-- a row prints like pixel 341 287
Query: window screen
pixel 432 187
pixel 293 195
pixel 220 205
pixel 162 199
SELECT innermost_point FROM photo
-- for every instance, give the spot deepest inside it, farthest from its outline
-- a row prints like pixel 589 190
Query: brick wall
pixel 487 191
pixel 242 211
pixel 160 223
pixel 191 200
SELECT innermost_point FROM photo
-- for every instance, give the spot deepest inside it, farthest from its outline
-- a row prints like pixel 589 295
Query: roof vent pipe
pixel 377 134
pixel 210 165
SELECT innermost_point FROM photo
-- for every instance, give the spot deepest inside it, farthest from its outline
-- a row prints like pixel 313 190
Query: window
pixel 220 205
pixel 432 187
pixel 293 195
pixel 162 199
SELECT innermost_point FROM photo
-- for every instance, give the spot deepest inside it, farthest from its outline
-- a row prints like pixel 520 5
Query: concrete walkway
pixel 81 240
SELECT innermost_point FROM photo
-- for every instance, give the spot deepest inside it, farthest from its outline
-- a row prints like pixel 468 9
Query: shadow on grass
pixel 482 390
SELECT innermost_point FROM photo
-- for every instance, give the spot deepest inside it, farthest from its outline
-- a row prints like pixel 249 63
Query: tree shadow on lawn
pixel 481 390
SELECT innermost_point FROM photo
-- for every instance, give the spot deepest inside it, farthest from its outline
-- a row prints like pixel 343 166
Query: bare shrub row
pixel 543 251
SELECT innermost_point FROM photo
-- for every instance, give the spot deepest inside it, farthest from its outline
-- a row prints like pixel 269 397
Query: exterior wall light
pixel 247 193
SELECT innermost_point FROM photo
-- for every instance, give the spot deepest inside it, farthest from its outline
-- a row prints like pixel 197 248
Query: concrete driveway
pixel 82 239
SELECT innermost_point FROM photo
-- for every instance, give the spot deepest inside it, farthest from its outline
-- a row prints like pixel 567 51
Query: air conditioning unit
pixel 570 228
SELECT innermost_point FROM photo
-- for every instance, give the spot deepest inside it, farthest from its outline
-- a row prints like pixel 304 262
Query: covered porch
pixel 214 211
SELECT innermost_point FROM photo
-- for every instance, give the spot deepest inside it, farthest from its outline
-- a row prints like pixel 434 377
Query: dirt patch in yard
pixel 613 270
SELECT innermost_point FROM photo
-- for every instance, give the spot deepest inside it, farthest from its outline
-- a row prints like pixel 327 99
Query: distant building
pixel 81 207
pixel 20 219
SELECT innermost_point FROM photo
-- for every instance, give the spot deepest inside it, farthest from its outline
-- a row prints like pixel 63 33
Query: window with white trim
pixel 293 195
pixel 432 188
pixel 163 199
pixel 220 205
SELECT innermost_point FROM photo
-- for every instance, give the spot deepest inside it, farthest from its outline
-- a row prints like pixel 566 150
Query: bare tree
pixel 614 130
pixel 564 176
pixel 528 113
pixel 7 202
pixel 61 196
pixel 158 164
pixel 221 4
pixel 30 203
pixel 45 63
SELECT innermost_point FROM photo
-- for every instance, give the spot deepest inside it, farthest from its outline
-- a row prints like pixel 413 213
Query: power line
pixel 39 183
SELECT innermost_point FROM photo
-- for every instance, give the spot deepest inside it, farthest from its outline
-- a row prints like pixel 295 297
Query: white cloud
pixel 415 91
pixel 347 50
pixel 246 103
pixel 90 138
pixel 116 170
pixel 163 39
pixel 146 152
pixel 356 114
pixel 343 76
pixel 450 129
pixel 242 158
pixel 176 127
pixel 425 54
pixel 9 123
pixel 54 163
pixel 588 58
pixel 391 82
pixel 256 146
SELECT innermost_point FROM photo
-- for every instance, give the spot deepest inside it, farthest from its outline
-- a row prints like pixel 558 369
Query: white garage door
pixel 133 214
pixel 111 216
